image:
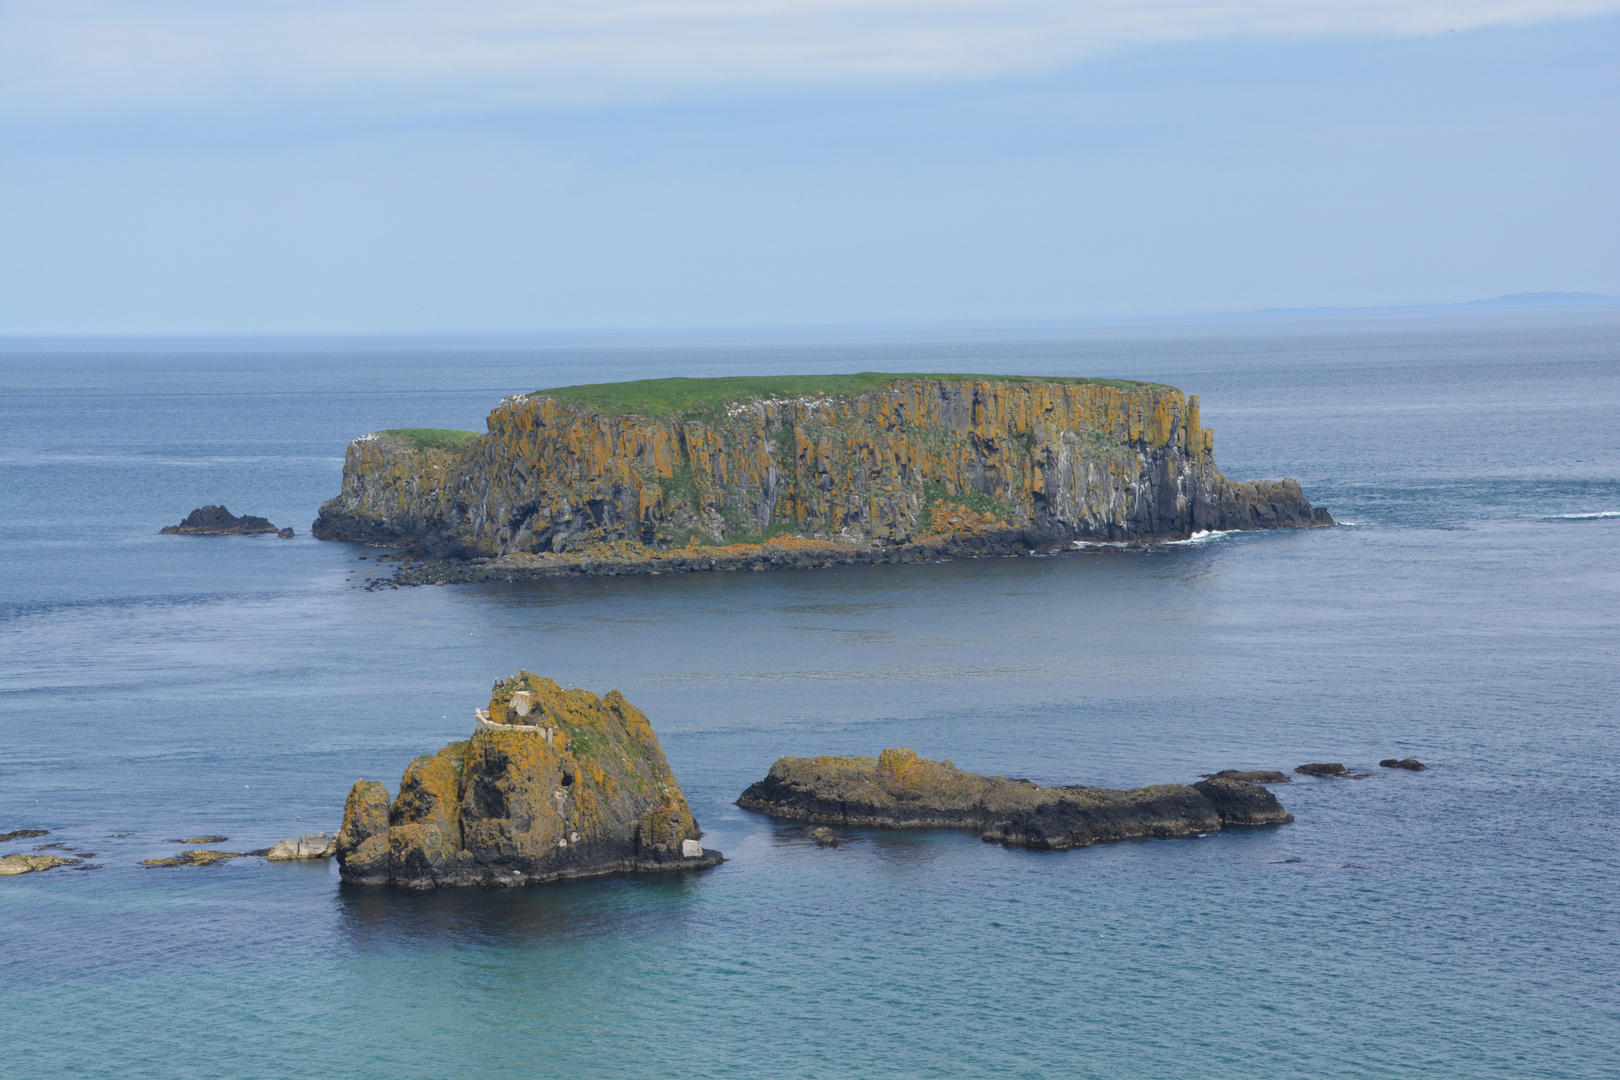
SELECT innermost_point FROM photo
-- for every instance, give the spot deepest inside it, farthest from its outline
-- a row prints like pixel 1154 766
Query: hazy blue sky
pixel 486 165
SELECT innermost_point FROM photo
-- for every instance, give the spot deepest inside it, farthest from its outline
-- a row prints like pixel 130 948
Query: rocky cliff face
pixel 553 784
pixel 1031 460
pixel 899 790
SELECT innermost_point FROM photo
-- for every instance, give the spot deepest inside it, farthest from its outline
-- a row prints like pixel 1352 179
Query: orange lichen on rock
pixel 955 517
pixel 917 460
pixel 900 771
pixel 900 790
pixel 552 784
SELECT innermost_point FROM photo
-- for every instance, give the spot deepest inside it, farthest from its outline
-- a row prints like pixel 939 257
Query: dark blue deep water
pixel 1460 922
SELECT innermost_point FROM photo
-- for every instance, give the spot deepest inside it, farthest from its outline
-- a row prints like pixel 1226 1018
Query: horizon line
pixel 1520 303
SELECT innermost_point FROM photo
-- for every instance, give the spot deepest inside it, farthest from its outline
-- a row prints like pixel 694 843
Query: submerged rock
pixel 553 784
pixel 314 845
pixel 1322 768
pixel 218 521
pixel 22 834
pixel 199 857
pixel 823 836
pixel 1253 776
pixel 899 790
pixel 1404 763
pixel 29 864
pixel 202 840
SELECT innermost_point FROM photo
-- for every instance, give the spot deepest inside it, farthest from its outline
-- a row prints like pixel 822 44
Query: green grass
pixel 425 438
pixel 676 397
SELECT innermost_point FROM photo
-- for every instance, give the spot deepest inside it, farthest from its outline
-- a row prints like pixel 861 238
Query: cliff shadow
pixel 380 918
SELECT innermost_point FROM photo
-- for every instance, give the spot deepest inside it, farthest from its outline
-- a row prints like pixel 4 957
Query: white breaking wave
pixel 1594 516
pixel 1205 536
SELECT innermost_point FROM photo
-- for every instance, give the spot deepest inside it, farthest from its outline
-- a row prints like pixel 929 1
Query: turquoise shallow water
pixel 1459 922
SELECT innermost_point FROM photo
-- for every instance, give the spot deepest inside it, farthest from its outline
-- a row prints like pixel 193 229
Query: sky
pixel 490 166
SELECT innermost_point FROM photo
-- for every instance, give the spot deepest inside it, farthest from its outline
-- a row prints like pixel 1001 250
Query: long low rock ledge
pixel 900 790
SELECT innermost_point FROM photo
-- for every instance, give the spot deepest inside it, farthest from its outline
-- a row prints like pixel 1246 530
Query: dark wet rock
pixel 29 864
pixel 1404 763
pixel 316 845
pixel 899 790
pixel 1253 776
pixel 1239 802
pixel 823 836
pixel 286 534
pixel 51 847
pixel 1322 768
pixel 202 840
pixel 218 521
pixel 22 834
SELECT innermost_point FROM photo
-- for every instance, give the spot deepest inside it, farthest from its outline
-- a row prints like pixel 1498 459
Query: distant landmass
pixel 1515 302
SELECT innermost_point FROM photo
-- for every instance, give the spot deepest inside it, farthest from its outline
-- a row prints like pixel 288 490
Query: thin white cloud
pixel 116 56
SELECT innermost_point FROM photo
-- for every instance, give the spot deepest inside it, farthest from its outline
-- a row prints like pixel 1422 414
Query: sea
pixel 1459 922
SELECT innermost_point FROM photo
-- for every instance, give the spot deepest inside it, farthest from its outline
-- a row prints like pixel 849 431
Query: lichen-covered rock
pixel 563 784
pixel 31 864
pixel 900 790
pixel 198 857
pixel 1252 776
pixel 921 465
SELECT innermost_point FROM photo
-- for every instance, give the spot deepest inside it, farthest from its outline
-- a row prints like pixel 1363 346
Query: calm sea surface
pixel 1462 922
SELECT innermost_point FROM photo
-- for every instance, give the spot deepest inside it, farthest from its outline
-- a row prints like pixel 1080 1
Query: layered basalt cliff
pixel 553 784
pixel 931 463
pixel 899 790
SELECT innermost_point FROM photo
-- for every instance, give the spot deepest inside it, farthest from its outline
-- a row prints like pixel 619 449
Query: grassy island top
pixel 672 397
pixel 427 438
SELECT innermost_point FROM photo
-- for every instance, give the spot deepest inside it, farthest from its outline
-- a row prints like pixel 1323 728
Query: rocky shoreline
pixel 899 790
pixel 786 554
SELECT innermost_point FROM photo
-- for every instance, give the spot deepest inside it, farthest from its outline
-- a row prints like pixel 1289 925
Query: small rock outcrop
pixel 1253 776
pixel 900 790
pixel 314 845
pixel 30 864
pixel 553 784
pixel 218 521
pixel 22 834
pixel 1322 768
pixel 198 857
pixel 1410 763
